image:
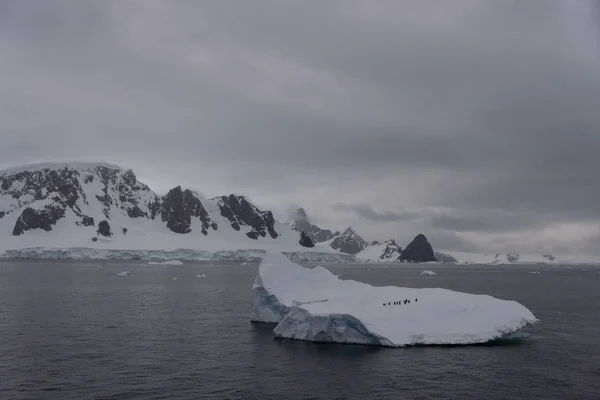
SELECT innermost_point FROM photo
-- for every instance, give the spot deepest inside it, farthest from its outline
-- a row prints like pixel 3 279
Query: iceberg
pixel 315 305
pixel 124 273
pixel 427 272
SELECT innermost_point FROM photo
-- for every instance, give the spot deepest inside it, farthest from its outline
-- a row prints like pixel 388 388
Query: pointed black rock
pixel 305 241
pixel 419 250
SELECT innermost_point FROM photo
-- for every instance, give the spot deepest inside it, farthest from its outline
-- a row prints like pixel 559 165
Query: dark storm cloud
pixel 367 212
pixel 458 220
pixel 486 108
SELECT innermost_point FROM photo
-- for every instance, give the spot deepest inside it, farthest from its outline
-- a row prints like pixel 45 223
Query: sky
pixel 475 122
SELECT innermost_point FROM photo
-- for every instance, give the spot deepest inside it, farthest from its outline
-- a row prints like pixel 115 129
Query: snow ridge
pixel 94 205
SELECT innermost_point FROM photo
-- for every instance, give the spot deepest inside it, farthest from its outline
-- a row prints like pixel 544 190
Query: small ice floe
pixel 245 263
pixel 124 273
pixel 534 272
pixel 168 262
pixel 174 279
pixel 427 272
pixel 201 276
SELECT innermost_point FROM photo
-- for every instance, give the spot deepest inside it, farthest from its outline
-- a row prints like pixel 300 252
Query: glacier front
pixel 315 305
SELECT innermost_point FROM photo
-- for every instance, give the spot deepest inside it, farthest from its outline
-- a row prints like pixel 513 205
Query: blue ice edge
pixel 296 323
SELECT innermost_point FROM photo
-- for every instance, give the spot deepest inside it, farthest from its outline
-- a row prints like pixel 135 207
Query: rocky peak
pixel 419 250
pixel 179 207
pixel 301 215
pixel 391 250
pixel 302 223
pixel 349 242
pixel 240 212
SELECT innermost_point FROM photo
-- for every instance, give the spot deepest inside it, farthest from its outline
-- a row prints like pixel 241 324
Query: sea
pixel 77 330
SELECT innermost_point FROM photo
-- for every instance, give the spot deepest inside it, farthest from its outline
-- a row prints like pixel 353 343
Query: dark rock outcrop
pixel 419 250
pixel 178 208
pixel 240 212
pixel 305 240
pixel 349 242
pixel 86 220
pixel 38 219
pixel 104 228
pixel 317 235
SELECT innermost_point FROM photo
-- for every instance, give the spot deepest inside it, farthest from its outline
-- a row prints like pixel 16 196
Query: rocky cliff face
pixel 419 250
pixel 390 250
pixel 43 195
pixel 349 242
pixel 104 200
pixel 317 235
pixel 179 207
pixel 240 212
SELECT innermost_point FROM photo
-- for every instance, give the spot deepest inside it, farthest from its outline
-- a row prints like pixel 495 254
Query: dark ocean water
pixel 71 330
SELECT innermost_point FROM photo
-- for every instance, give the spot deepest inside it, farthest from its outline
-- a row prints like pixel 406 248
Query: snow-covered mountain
pixel 317 235
pixel 103 206
pixel 349 242
pixel 388 251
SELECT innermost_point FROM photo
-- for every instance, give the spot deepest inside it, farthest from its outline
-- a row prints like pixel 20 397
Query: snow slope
pixel 387 251
pixel 315 305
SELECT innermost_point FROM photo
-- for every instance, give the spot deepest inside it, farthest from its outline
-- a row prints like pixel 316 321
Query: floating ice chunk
pixel 245 263
pixel 168 262
pixel 201 276
pixel 427 272
pixel 124 273
pixel 174 279
pixel 534 272
pixel 315 305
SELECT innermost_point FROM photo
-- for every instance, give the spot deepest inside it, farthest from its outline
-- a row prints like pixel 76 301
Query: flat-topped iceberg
pixel 315 305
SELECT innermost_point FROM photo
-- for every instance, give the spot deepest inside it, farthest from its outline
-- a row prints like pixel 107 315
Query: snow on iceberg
pixel 315 305
pixel 427 272
pixel 168 262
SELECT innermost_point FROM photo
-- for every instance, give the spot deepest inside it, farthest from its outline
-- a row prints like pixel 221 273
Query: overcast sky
pixel 476 122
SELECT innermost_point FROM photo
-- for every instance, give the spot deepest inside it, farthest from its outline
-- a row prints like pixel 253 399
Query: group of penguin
pixel 398 303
